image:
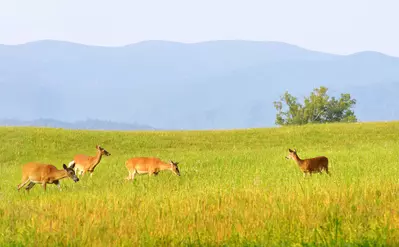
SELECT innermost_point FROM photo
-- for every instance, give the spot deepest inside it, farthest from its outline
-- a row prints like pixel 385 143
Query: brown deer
pixel 37 173
pixel 150 166
pixel 84 163
pixel 309 166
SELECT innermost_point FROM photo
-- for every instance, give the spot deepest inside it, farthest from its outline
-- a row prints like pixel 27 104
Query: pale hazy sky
pixel 337 26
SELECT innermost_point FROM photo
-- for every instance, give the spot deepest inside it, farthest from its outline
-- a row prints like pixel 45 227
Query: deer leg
pixel 326 169
pixel 131 175
pixel 23 184
pixel 91 174
pixel 81 173
pixel 30 185
pixel 44 185
pixel 77 171
pixel 58 184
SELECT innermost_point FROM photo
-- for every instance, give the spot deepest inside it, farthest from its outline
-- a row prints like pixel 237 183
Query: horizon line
pixel 194 43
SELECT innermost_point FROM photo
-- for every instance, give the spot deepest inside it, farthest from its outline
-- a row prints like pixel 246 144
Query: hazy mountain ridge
pixel 92 124
pixel 215 84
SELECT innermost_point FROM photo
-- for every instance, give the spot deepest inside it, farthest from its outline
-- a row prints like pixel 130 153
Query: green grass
pixel 236 188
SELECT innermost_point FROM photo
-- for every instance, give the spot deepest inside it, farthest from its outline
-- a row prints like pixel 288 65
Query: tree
pixel 317 108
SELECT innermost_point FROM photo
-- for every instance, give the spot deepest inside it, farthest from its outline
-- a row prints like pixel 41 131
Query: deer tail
pixel 71 163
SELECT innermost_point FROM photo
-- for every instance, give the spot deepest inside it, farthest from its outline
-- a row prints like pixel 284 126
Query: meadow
pixel 236 188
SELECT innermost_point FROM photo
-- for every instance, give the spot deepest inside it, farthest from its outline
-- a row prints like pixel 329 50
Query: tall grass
pixel 236 188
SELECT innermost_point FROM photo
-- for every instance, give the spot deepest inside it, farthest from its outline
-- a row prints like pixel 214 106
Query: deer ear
pixel 294 150
pixel 64 166
pixel 290 150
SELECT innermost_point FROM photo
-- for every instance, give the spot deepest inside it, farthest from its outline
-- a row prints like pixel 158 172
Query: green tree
pixel 317 108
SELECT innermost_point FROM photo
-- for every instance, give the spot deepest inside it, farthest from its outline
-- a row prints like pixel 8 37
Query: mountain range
pixel 89 124
pixel 170 85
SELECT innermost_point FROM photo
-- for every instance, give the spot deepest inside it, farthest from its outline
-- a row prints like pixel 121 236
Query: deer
pixel 84 163
pixel 309 166
pixel 149 165
pixel 38 173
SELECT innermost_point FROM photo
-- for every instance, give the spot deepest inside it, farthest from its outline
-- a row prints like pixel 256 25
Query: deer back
pixel 144 163
pixel 39 172
pixel 316 163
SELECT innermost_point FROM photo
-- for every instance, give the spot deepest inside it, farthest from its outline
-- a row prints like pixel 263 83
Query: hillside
pixel 218 84
pixel 236 188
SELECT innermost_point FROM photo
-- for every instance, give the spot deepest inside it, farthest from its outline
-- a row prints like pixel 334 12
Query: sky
pixel 336 26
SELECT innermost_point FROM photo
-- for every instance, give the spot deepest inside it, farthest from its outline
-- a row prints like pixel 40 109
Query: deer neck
pixel 59 174
pixel 298 160
pixel 165 167
pixel 96 159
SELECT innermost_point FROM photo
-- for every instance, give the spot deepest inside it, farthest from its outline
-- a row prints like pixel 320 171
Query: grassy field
pixel 236 188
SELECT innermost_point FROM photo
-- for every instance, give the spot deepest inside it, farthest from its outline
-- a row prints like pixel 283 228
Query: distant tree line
pixel 318 107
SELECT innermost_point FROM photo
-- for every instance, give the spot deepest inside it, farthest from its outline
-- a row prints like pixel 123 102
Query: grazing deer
pixel 150 166
pixel 37 173
pixel 309 166
pixel 84 163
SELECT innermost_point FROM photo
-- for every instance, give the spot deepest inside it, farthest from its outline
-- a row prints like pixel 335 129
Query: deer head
pixel 292 154
pixel 70 172
pixel 102 150
pixel 174 168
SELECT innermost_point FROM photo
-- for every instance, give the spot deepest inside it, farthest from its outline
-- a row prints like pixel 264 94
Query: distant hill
pixel 208 85
pixel 87 124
